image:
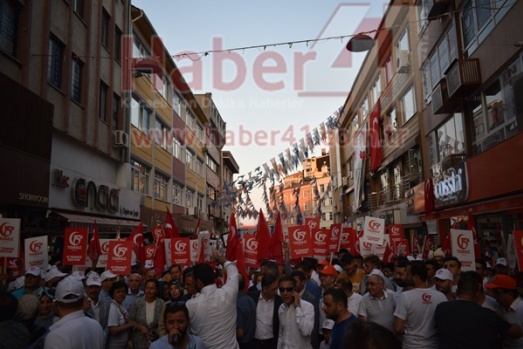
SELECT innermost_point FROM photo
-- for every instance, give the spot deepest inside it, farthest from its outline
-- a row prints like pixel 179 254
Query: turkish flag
pixel 94 250
pixel 276 244
pixel 138 245
pixel 472 226
pixel 376 153
pixel 170 228
pixel 233 241
pixel 263 236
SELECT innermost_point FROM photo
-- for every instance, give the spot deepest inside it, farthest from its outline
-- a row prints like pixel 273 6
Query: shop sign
pixel 450 186
pixel 104 199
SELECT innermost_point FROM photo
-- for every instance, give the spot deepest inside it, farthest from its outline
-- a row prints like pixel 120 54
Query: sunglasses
pixel 288 289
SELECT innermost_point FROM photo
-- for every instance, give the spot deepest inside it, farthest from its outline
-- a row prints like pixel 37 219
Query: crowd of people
pixel 345 302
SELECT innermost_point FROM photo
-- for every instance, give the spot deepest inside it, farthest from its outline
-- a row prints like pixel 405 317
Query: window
pixel 364 109
pixel 140 115
pixel 177 194
pixel 199 166
pixel 199 202
pixel 78 7
pixel 116 111
pixel 105 29
pixel 408 105
pixel 140 176
pixel 76 79
pixel 189 158
pixel 376 90
pixel 211 193
pixel 391 124
pixel 177 148
pixel 200 135
pixel 389 72
pixel 160 187
pixel 210 163
pixel 448 139
pixel 161 133
pixel 189 198
pixel 102 111
pixel 322 188
pixel 54 63
pixel 190 119
pixel 177 103
pixel 117 43
pixel 403 42
pixel 8 27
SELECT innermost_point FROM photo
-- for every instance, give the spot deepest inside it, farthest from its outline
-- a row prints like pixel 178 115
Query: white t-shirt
pixel 417 308
pixel 117 317
pixel 353 303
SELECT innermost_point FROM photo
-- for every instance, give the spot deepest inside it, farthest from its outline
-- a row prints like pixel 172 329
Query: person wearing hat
pixel 74 329
pixel 504 290
pixel 326 328
pixel 31 283
pixel 444 279
pixel 463 323
pixel 95 306
pixel 107 278
pixel 379 303
pixel 52 277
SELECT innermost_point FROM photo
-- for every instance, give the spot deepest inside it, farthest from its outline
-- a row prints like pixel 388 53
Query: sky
pixel 270 97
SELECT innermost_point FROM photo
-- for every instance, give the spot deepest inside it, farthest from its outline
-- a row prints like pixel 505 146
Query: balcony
pixel 436 8
pixel 463 77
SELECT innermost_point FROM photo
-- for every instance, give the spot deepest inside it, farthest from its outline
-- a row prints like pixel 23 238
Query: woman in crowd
pixel 46 311
pixel 175 292
pixel 146 311
pixel 118 322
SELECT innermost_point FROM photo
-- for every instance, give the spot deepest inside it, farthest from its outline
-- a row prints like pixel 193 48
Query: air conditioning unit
pixel 403 61
pixel 121 139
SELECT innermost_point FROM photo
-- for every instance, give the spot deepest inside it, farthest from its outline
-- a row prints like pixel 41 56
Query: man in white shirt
pixel 213 311
pixel 296 317
pixel 94 306
pixel 378 304
pixel 74 330
pixel 353 298
pixel 134 291
pixel 414 315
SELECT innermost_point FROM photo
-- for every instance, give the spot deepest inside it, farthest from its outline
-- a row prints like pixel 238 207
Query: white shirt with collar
pixel 296 325
pixel 514 315
pixel 213 312
pixel 353 303
pixel 76 331
pixel 264 313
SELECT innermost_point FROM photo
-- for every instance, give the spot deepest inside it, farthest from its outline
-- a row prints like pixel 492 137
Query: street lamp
pixel 360 43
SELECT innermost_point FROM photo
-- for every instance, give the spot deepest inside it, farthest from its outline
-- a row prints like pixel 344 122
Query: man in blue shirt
pixel 335 308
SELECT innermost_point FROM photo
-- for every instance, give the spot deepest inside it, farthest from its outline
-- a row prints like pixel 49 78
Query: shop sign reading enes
pixel 450 186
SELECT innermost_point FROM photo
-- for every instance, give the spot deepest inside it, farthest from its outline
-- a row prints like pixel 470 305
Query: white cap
pixel 410 258
pixel 328 324
pixel 148 264
pixel 91 273
pixel 53 273
pixel 107 275
pixel 93 280
pixel 378 273
pixel 34 271
pixel 15 285
pixel 444 274
pixel 69 287
pixel 78 274
pixel 502 261
pixel 338 268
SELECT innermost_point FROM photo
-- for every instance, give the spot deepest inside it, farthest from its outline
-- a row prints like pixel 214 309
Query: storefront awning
pixel 78 218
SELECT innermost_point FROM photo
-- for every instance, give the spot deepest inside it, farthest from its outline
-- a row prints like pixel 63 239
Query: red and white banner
pixel 365 248
pixel 312 223
pixel 104 249
pixel 250 250
pixel 195 249
pixel 349 240
pixel 320 246
pixel 518 242
pixel 396 232
pixel 374 230
pixel 462 246
pixel 203 242
pixel 427 246
pixel 379 250
pixel 36 252
pixel 181 251
pixel 149 253
pixel 119 258
pixel 299 241
pixel 334 238
pixel 512 255
pixel 10 237
pixel 75 246
pixel 158 233
pixel 168 251
pixel 401 247
pixel 415 244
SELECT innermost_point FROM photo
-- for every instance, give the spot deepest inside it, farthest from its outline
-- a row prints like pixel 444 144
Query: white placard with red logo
pixel 204 238
pixel 374 230
pixel 518 243
pixel 396 232
pixel 102 259
pixel 379 250
pixel 168 253
pixel 181 251
pixel 401 247
pixel 36 252
pixel 10 237
pixel 250 250
pixel 512 257
pixel 334 237
pixel 312 223
pixel 299 241
pixel 195 249
pixel 75 246
pixel 120 254
pixel 320 246
pixel 365 248
pixel 462 247
pixel 158 233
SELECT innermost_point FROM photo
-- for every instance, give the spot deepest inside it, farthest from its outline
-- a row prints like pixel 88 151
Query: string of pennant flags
pixel 237 193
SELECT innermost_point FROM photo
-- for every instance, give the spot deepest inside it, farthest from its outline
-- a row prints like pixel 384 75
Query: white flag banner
pixel 102 258
pixel 462 247
pixel 36 252
pixel 195 249
pixel 10 237
pixel 374 230
pixel 168 253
